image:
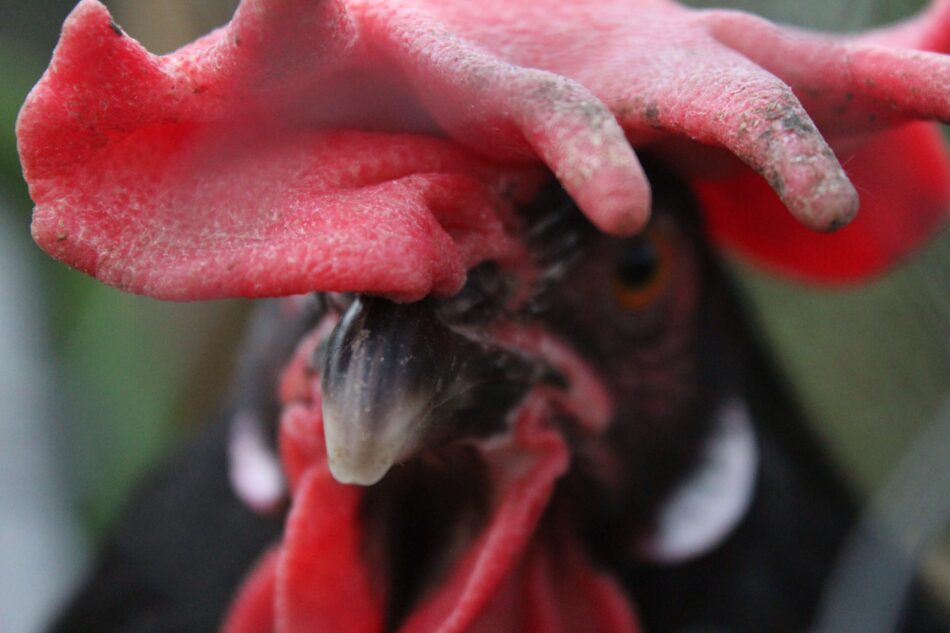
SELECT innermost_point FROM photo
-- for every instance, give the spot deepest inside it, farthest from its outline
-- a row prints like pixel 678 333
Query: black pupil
pixel 638 263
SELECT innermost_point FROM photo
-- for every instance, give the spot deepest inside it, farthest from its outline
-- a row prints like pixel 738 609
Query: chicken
pixel 691 403
pixel 515 404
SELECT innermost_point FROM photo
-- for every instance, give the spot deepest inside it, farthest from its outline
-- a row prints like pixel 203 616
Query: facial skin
pixel 442 378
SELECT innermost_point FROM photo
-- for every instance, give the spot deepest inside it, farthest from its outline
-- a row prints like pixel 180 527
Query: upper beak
pixel 397 379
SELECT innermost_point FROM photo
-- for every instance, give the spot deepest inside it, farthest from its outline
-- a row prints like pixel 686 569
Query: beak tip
pixel 346 471
pixel 355 458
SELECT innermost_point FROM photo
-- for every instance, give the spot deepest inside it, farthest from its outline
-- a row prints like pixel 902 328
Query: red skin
pixel 206 172
pixel 507 578
pixel 232 168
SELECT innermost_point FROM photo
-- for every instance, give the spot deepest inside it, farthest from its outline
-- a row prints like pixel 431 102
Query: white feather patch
pixel 704 510
pixel 255 471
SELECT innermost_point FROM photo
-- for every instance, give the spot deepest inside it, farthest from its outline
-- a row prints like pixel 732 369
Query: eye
pixel 642 272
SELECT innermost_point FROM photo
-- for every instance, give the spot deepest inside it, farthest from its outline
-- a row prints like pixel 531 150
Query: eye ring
pixel 643 272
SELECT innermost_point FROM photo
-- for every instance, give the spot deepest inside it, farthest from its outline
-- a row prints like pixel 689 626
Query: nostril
pixel 318 359
pixel 339 302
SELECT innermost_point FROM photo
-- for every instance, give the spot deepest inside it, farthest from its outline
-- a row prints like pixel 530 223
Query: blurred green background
pixel 136 372
pixel 133 375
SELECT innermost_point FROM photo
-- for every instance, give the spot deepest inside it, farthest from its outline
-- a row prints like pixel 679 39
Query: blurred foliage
pixel 136 371
pixel 827 15
pixel 133 372
pixel 870 364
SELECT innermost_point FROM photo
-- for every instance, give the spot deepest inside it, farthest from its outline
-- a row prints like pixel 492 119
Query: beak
pixel 397 380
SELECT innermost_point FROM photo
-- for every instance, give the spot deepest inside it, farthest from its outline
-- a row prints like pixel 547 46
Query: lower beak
pixel 397 380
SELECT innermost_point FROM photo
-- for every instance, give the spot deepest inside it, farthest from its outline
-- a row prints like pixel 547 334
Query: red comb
pixel 210 172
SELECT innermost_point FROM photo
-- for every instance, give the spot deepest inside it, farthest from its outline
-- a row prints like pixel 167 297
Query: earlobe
pixel 704 510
